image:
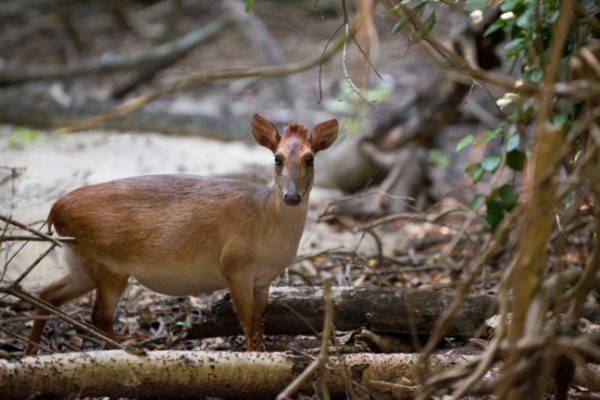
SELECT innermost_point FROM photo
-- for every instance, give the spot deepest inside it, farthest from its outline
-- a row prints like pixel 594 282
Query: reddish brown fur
pixel 182 234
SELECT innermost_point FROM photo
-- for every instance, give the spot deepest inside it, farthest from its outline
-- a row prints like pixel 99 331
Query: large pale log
pixel 383 310
pixel 195 374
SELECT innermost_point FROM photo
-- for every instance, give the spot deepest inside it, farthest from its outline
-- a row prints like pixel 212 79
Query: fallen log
pixel 195 374
pixel 382 310
pixel 45 113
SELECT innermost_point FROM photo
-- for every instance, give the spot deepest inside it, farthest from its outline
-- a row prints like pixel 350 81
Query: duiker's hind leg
pixel 76 283
pixel 109 288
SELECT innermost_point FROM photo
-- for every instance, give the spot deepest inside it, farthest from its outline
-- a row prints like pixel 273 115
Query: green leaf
pixel 472 5
pixel 509 196
pixel 419 8
pixel 249 4
pixel 514 44
pixel 526 19
pixel 398 26
pixel 536 74
pixel 70 332
pixel 509 5
pixel 516 160
pixel 438 158
pixel 394 9
pixel 512 142
pixel 494 27
pixel 475 172
pixel 494 213
pixel 559 118
pixel 489 135
pixel 465 141
pixel 476 201
pixel 427 27
pixel 490 163
pixel 20 137
pixel 341 106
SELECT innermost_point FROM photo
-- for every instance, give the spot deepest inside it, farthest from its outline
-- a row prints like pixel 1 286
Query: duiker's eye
pixel 278 160
pixel 310 160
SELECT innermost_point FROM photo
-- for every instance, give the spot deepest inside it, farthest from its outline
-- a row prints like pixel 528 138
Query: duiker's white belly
pixel 181 279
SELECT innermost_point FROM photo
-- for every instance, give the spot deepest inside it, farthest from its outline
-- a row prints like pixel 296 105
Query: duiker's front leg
pixel 242 294
pixel 261 298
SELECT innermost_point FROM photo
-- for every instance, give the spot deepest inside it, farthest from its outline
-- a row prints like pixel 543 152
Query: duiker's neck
pixel 282 217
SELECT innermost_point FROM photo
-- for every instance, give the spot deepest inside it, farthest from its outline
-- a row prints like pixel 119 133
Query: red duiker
pixel 186 235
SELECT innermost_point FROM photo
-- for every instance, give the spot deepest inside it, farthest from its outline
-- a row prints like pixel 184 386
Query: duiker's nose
pixel 292 199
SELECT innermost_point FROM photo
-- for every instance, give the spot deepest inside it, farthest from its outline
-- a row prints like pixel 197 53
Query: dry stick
pixel 344 57
pixel 321 64
pixel 18 293
pixel 20 238
pixel 24 339
pixel 33 265
pixel 138 102
pixel 14 320
pixel 320 362
pixel 445 319
pixel 491 352
pixel 30 229
pixel 416 217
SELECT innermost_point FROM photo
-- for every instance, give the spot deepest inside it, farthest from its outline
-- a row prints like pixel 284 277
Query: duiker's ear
pixel 264 132
pixel 324 134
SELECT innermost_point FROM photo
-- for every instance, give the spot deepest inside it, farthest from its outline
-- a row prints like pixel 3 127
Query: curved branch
pixel 138 102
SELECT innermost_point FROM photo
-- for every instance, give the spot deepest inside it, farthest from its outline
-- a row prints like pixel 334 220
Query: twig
pixel 30 230
pixel 344 57
pixel 14 320
pixel 24 339
pixel 19 238
pixel 321 63
pixel 92 330
pixel 320 362
pixel 33 265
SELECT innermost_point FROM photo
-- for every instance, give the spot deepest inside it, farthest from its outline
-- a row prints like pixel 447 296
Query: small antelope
pixel 186 235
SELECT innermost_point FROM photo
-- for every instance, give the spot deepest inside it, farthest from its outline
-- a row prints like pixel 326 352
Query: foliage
pixel 528 25
pixel 349 102
pixel 20 137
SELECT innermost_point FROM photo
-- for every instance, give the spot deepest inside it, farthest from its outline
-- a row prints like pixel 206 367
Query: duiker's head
pixel 294 154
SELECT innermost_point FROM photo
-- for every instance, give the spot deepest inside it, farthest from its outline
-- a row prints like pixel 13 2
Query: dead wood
pixel 45 113
pixel 383 310
pixel 113 63
pixel 194 374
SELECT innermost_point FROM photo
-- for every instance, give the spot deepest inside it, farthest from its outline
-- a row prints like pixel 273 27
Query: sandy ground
pixel 54 164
